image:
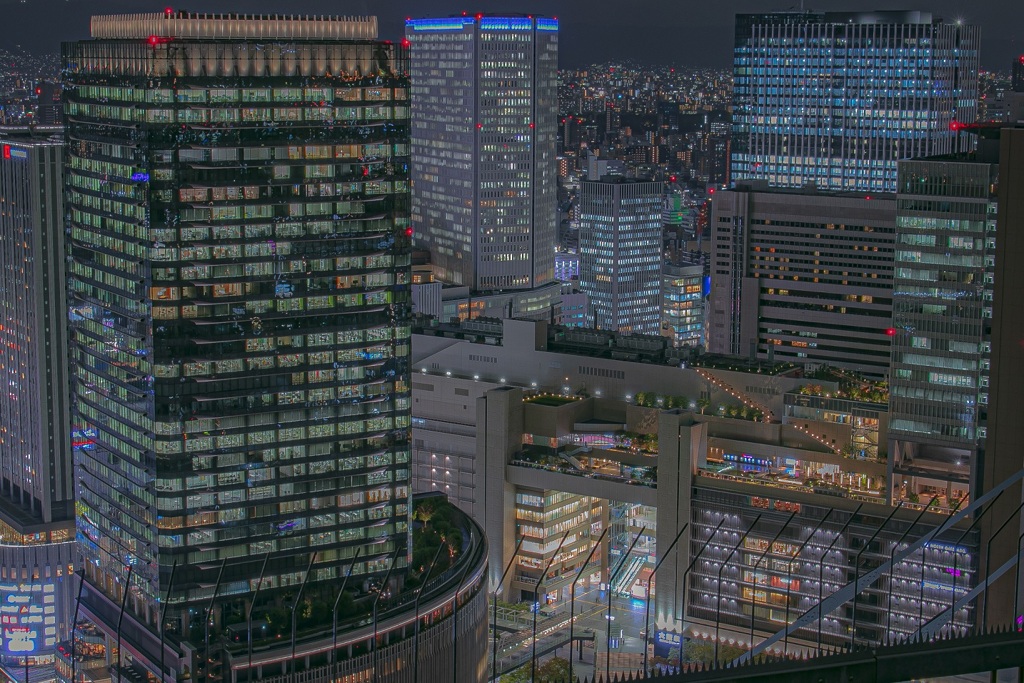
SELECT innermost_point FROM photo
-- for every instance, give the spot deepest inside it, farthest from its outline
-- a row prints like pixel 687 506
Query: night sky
pixel 678 32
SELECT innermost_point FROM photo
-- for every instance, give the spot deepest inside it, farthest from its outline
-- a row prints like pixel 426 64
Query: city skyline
pixel 664 32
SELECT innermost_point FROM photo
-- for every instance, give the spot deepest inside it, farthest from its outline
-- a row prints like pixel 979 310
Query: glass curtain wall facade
pixel 620 254
pixel 36 491
pixel 484 148
pixel 942 317
pixel 239 299
pixel 838 98
pixel 808 562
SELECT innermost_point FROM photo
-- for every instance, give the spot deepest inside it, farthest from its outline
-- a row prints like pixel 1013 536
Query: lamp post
pixel 334 614
pixel 821 571
pixel 718 598
pixel 383 586
pixel 650 580
pixel 536 606
pixel 789 575
pixel 416 610
pixel 455 618
pixel 248 612
pixel 608 615
pixel 163 618
pixel 572 597
pixel 494 625
pixel 206 624
pixel 120 616
pixel 988 561
pixel 74 622
pixel 856 572
pixel 757 564
pixel 295 611
pixel 892 570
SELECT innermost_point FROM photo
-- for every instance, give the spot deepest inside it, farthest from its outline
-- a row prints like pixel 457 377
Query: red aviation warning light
pixel 890 331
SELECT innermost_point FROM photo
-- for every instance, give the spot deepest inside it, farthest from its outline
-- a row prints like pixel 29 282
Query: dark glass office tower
pixel 238 215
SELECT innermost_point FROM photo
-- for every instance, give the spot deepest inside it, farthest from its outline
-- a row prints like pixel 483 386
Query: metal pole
pixel 383 585
pixel 647 615
pixel 295 609
pixel 74 623
pixel 572 597
pixel 856 572
pixel 120 617
pixel 789 575
pixel 758 564
pixel 248 613
pixel 206 625
pixel 821 570
pixel 334 614
pixel 494 626
pixel 988 561
pixel 536 607
pixel 455 619
pixel 608 615
pixel 892 571
pixel 163 618
pixel 1016 584
pixel 718 599
pixel 682 614
pixel 416 610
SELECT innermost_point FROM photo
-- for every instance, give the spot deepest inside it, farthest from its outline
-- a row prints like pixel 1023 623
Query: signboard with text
pixel 28 618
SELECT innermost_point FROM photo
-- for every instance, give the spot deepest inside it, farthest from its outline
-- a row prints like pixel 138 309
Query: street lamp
pixel 608 615
pixel 494 626
pixel 757 564
pixel 572 597
pixel 650 580
pixel 334 615
pixel 536 606
pixel 718 599
pixel 295 611
pixel 376 599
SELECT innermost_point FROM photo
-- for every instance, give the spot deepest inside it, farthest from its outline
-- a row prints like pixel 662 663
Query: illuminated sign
pixel 25 610
pixel 140 177
pixel 664 644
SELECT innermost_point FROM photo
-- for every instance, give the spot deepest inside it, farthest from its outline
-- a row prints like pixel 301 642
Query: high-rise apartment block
pixel 484 147
pixel 36 490
pixel 620 253
pixel 942 317
pixel 802 276
pixel 237 204
pixel 838 98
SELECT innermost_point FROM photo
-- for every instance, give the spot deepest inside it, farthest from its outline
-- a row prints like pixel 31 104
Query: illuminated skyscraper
pixel 36 493
pixel 237 204
pixel 484 147
pixel 837 98
pixel 620 253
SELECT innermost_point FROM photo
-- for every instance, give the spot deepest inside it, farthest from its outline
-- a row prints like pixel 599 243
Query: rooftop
pixel 182 24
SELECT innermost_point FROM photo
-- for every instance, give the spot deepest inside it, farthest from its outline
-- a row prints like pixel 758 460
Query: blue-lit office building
pixel 837 98
pixel 484 148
